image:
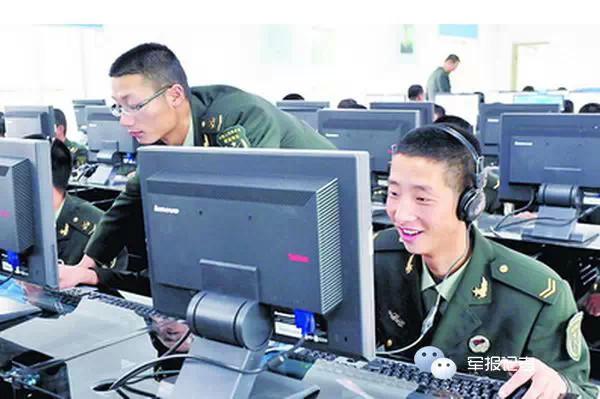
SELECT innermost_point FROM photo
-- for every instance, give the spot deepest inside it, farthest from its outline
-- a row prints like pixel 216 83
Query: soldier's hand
pixel 87 262
pixel 592 304
pixel 169 332
pixel 545 382
pixel 71 276
pixel 526 215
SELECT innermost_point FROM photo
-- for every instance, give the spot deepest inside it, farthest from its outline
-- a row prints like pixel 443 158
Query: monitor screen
pixel 370 130
pixel 489 121
pixel 303 110
pixel 27 230
pixel 425 109
pixel 21 121
pixel 539 98
pixel 105 133
pixel 548 149
pixel 79 109
pixel 288 228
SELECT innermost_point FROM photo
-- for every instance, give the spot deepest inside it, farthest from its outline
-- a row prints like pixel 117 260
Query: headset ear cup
pixel 471 205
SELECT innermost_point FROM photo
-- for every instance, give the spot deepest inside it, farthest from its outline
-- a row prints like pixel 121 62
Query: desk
pixel 120 335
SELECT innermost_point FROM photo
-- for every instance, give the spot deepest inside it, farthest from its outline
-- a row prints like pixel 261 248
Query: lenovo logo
pixel 164 209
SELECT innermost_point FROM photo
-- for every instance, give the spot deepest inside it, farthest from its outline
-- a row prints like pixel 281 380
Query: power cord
pixel 10 276
pixel 496 228
pixel 273 362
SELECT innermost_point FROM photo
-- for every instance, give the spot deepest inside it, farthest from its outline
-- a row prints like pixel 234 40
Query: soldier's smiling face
pixel 422 205
pixel 154 120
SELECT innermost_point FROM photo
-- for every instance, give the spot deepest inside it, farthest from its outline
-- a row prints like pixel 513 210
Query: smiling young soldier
pixel 156 105
pixel 440 282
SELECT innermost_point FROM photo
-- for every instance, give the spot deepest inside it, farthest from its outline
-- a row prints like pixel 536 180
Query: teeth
pixel 410 232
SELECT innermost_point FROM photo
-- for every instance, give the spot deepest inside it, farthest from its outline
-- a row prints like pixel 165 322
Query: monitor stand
pixel 201 379
pixel 558 230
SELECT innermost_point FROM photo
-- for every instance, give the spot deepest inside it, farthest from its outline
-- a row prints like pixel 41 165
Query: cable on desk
pixel 10 276
pixel 495 228
pixel 277 360
pixel 54 362
pixel 123 394
pixel 164 373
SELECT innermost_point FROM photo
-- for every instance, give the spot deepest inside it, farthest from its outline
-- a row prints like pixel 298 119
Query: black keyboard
pixel 71 296
pixel 138 308
pixel 461 385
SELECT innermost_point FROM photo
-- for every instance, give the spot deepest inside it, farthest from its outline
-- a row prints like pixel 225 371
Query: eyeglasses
pixel 118 110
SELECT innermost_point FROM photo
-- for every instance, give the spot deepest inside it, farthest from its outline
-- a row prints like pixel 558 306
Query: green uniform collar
pixel 65 209
pixel 199 107
pixel 446 288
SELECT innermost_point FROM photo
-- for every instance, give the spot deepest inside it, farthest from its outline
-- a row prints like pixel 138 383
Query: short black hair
pixel 568 107
pixel 59 118
pixel 456 122
pixel 2 125
pixel 61 165
pixel 433 143
pixel 350 103
pixel 415 91
pixel 453 58
pixel 293 96
pixel 438 109
pixel 156 62
pixel 561 88
pixel 590 108
pixel 528 88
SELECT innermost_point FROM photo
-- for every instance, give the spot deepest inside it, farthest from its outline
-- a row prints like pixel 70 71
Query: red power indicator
pixel 4 214
pixel 298 258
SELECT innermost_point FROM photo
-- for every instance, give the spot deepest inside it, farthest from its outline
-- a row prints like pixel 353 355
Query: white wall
pixel 55 64
pixel 571 59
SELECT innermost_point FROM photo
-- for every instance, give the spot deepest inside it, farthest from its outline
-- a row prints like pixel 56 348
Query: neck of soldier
pixel 452 254
pixel 58 197
pixel 179 132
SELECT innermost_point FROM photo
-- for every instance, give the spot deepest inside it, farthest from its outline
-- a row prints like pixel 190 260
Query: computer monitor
pixel 27 232
pixel 425 109
pixel 551 157
pixel 287 229
pixel 539 98
pixel 489 122
pixel 107 139
pixel 464 105
pixel 303 110
pixel 370 130
pixel 79 109
pixel 21 121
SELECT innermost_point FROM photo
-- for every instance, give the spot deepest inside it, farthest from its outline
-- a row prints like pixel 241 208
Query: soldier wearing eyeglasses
pixel 156 105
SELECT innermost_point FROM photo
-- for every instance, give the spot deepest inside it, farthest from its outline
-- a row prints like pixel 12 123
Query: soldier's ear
pixel 176 95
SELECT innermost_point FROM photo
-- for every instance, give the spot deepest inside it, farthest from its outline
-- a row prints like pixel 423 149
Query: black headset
pixel 471 203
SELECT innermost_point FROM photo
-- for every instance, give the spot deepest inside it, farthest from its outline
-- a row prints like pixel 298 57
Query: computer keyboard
pixel 138 308
pixel 387 372
pixel 71 296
